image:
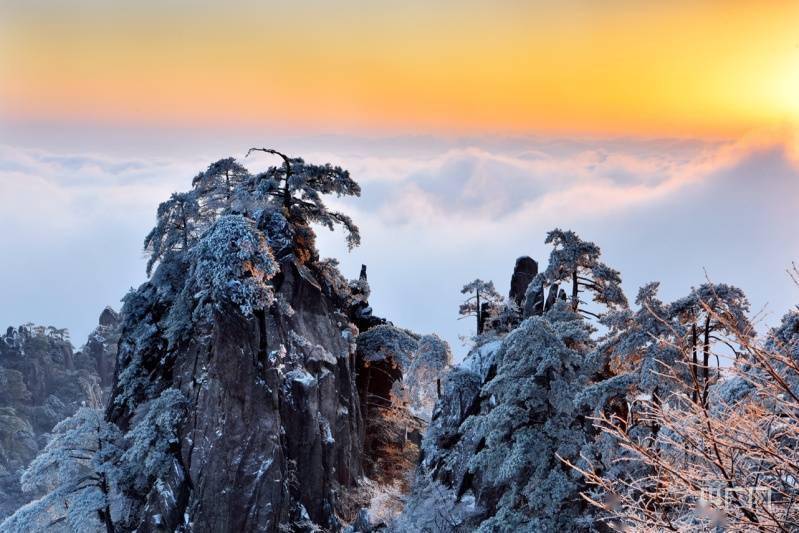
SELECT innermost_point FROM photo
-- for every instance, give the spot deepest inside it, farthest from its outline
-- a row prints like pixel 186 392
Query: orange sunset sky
pixel 677 68
pixel 666 132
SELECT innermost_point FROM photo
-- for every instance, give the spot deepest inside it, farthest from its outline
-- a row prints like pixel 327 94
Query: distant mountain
pixel 43 381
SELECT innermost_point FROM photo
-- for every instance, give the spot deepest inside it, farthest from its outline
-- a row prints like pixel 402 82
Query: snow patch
pixel 480 358
pixel 300 375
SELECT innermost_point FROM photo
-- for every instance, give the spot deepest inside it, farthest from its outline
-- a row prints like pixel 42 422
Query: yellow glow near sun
pixel 786 88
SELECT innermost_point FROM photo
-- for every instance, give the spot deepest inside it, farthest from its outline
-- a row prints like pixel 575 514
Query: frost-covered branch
pixel 729 460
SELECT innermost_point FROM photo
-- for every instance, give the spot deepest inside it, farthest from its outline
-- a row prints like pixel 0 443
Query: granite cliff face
pixel 273 427
pixel 43 381
pixel 279 404
pixel 258 346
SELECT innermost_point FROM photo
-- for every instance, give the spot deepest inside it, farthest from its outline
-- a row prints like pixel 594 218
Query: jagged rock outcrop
pixel 42 381
pixel 273 434
pixel 254 337
pixel 275 431
pixel 100 350
pixel 525 269
pixel 399 383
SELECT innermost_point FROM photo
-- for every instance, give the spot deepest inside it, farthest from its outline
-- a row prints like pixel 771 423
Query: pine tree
pixel 299 185
pixel 701 316
pixel 75 470
pixel 153 441
pixel 530 421
pixel 719 455
pixel 232 263
pixel 283 202
pixel 575 261
pixel 177 227
pixel 215 187
pixel 482 301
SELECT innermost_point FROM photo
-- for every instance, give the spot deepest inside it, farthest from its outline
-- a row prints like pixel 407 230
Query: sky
pixel 665 132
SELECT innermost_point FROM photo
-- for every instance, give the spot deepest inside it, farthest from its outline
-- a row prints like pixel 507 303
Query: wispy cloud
pixel 491 185
pixel 432 218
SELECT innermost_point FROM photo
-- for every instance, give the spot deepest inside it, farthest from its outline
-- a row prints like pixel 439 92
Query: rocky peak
pixel 100 351
pixel 524 271
pixel 109 318
pixel 263 343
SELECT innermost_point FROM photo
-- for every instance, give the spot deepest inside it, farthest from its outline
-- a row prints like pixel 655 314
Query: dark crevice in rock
pixel 260 321
pixel 465 485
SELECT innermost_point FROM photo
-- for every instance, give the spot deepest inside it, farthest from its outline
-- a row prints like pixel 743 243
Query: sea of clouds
pixel 435 213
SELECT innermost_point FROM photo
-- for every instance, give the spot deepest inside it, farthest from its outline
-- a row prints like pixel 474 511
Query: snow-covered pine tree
pixel 576 262
pixel 786 336
pixel 724 462
pixel 482 302
pixel 177 227
pixel 284 199
pixel 152 443
pixel 215 186
pixel 299 187
pixel 643 346
pixel 75 471
pixel 232 263
pixel 511 415
pixel 647 364
pixel 529 420
pixel 699 325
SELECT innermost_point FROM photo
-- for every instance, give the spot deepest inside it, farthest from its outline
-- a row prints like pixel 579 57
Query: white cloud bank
pixel 432 218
